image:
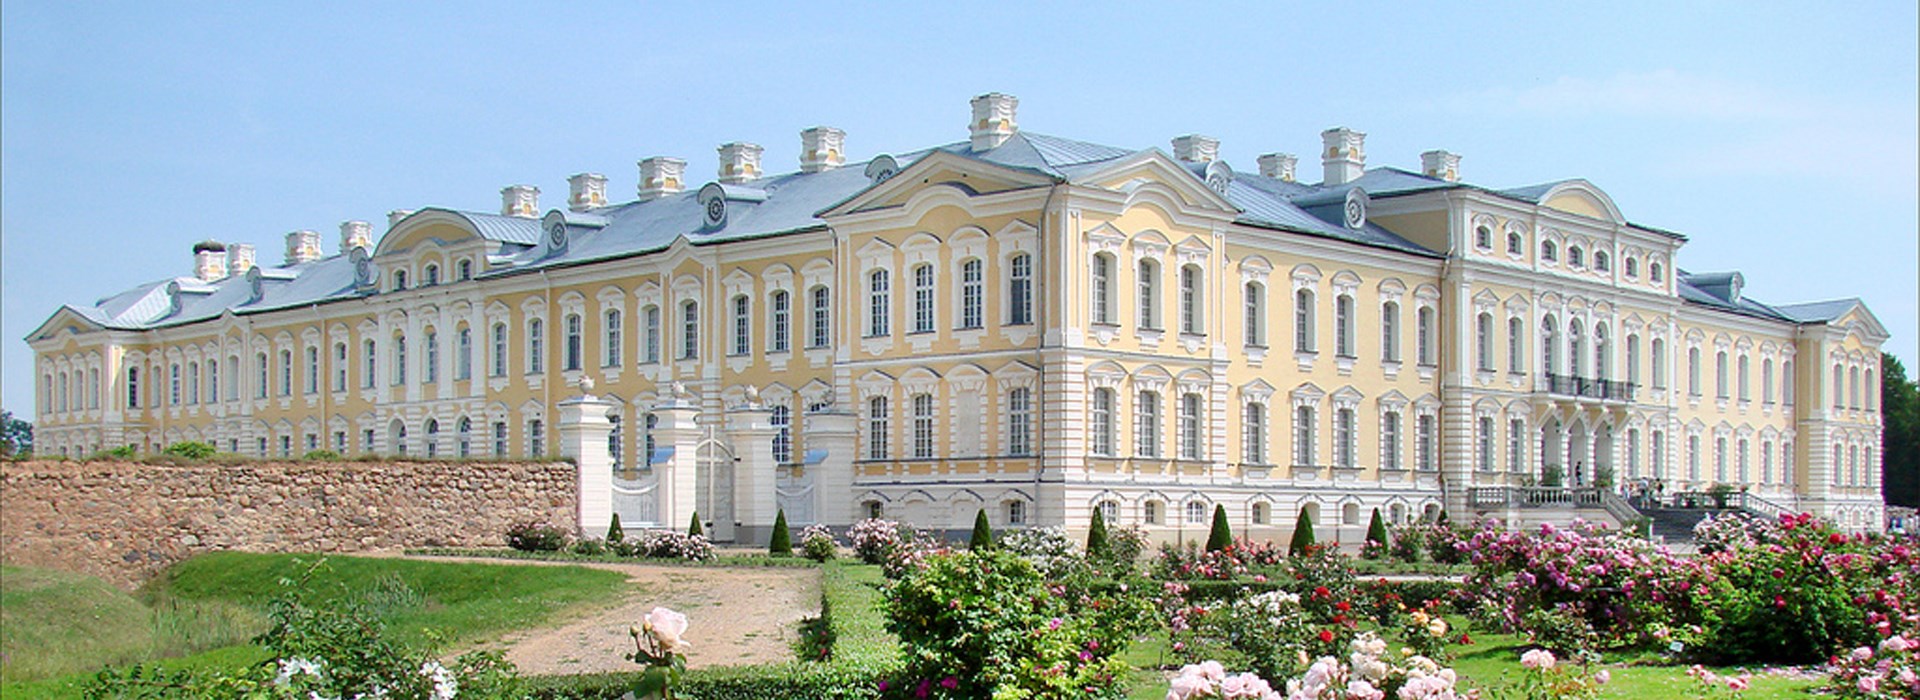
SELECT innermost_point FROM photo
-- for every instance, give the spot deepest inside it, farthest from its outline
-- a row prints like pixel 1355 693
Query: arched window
pixel 573 343
pixel 822 317
pixel 1694 386
pixel 1192 314
pixel 133 387
pixel 1517 446
pixel 1254 434
pixel 1601 262
pixel 1786 382
pixel 1633 268
pixel 742 326
pixel 1872 392
pixel 1343 326
pixel 399 280
pixel 1390 332
pixel 689 329
pixel 432 353
pixel 499 359
pixel 1146 424
pixel 1839 388
pixel 923 426
pixel 432 275
pixel 1303 321
pixel 1303 447
pixel 1149 294
pixel 1514 244
pixel 1659 359
pixel 213 384
pixel 781 419
pixel 1110 511
pixel 879 303
pixel 339 369
pixel 781 307
pixel 973 294
pixel 1196 512
pixel 1102 422
pixel 1423 335
pixel 612 325
pixel 1019 422
pixel 463 438
pixel 1256 316
pixel 1720 460
pixel 397 432
pixel 1602 354
pixel 1654 272
pixel 1744 379
pixel 1740 462
pixel 369 356
pixel 1722 378
pixel 1516 345
pixel 1102 297
pixel 1575 361
pixel 1150 512
pixel 1853 388
pixel 1190 447
pixel 1020 290
pixel 398 376
pixel 1548 251
pixel 1766 381
pixel 1575 257
pixel 650 334
pixel 1633 359
pixel 923 299
pixel 1482 237
pixel 536 346
pixel 193 386
pixel 1548 339
pixel 463 271
pixel 433 438
pixel 1483 341
pixel 878 427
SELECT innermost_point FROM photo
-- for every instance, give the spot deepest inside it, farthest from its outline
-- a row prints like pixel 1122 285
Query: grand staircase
pixel 1673 517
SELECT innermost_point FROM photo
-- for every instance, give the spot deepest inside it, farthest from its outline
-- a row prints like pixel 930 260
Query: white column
pixel 678 475
pixel 583 436
pixel 750 434
pixel 832 432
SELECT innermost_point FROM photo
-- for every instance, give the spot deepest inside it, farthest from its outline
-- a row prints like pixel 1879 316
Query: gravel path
pixel 738 616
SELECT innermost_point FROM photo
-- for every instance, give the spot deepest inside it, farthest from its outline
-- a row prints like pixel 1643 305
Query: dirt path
pixel 737 617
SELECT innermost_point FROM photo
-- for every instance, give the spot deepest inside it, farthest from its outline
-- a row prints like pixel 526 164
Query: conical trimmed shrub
pixel 693 526
pixel 1097 536
pixel 982 533
pixel 782 543
pixel 1377 530
pixel 1222 535
pixel 616 533
pixel 1302 535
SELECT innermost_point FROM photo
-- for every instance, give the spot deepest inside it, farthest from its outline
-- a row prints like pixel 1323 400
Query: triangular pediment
pixel 63 320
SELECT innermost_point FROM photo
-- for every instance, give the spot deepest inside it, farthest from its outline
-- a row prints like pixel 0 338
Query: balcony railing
pixel 1535 497
pixel 1590 388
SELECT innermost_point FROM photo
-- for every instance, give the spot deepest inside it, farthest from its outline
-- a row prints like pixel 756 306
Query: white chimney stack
pixel 520 200
pixel 1194 148
pixel 993 120
pixel 586 191
pixel 1278 166
pixel 822 148
pixel 1441 165
pixel 394 217
pixel 661 176
pixel 209 261
pixel 1345 155
pixel 739 162
pixel 303 246
pixel 240 259
pixel 357 234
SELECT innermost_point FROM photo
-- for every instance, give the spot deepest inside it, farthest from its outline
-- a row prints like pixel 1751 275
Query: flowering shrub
pixel 1543 677
pixel 1424 631
pixel 1711 684
pixel 1124 547
pixel 874 539
pixel 1558 584
pixel 670 544
pixel 1208 679
pixel 1408 542
pixel 1867 673
pixel 988 624
pixel 536 536
pixel 1047 548
pixel 1370 673
pixel 817 543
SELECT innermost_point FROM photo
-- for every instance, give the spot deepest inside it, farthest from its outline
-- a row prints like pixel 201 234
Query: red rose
pixel 1326 636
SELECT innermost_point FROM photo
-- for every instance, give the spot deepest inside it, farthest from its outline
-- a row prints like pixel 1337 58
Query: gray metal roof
pixel 1819 311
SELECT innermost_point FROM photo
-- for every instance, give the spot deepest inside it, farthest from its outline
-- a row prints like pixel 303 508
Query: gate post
pixel 750 434
pixel 677 434
pixel 830 435
pixel 583 436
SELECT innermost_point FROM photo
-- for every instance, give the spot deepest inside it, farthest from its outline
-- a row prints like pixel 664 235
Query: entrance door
pixel 713 488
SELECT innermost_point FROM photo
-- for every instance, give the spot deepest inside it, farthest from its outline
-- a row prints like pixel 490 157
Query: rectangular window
pixel 173 387
pixel 878 425
pixel 1517 445
pixel 742 326
pixel 1390 332
pixel 1303 447
pixel 1191 320
pixel 399 360
pixel 782 321
pixel 1483 336
pixel 1254 434
pixel 923 426
pixel 432 373
pixel 1255 322
pixel 499 439
pixel 923 299
pixel 366 441
pixel 286 372
pixel 193 386
pixel 1020 290
pixel 340 366
pixel 1102 420
pixel 1423 442
pixel 1343 438
pixel 499 363
pixel 1146 424
pixel 313 370
pixel 536 346
pixel 1423 336
pixel 822 318
pixel 536 438
pixel 1102 288
pixel 1190 447
pixel 260 378
pixel 1149 293
pixel 463 354
pixel 610 342
pixel 1343 326
pixel 1390 440
pixel 1303 321
pixel 574 339
pixel 689 330
pixel 972 295
pixel 1019 422
pixel 879 303
pixel 652 333
pixel 1485 444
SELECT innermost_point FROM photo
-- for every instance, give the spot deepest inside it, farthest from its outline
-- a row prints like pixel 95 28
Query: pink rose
pixel 666 626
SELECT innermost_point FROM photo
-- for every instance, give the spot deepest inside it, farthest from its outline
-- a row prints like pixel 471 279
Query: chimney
pixel 303 246
pixel 661 176
pixel 1345 156
pixel 586 191
pixel 822 148
pixel 520 200
pixel 739 162
pixel 1441 165
pixel 394 217
pixel 209 261
pixel 1194 148
pixel 357 234
pixel 993 120
pixel 1278 166
pixel 239 259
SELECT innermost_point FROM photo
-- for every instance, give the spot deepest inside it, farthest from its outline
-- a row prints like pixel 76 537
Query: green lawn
pixel 60 628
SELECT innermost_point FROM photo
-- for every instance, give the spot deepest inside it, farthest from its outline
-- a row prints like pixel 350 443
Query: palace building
pixel 1015 322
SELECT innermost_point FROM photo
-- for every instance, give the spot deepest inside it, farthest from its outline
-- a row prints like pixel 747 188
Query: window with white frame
pixel 1190 447
pixel 499 359
pixel 1423 335
pixel 1390 332
pixel 1602 349
pixel 1786 382
pixel 822 317
pixel 1548 251
pixel 1016 512
pixel 879 303
pixel 1254 433
pixel 1303 448
pixel 463 354
pixel 1303 321
pixel 1102 422
pixel 973 294
pixel 1196 512
pixel 431 351
pixel 1424 436
pixel 1694 385
pixel 1343 326
pixel 781 420
pixel 923 299
pixel 339 367
pixel 536 346
pixel 1720 460
pixel 1020 290
pixel 1110 511
pixel 1019 422
pixel 650 334
pixel 689 330
pixel 1256 316
pixel 742 326
pixel 1390 440
pixel 1102 297
pixel 573 351
pixel 1192 314
pixel 536 438
pixel 1345 439
pixel 1721 377
pixel 1483 439
pixel 1742 380
pixel 612 325
pixel 462 438
pixel 1515 245
pixel 1517 445
pixel 1766 381
pixel 1483 237
pixel 780 306
pixel 1693 458
pixel 1148 280
pixel 1483 340
pixel 398 376
pixel 369 355
pixel 923 426
pixel 1516 345
pixel 1146 424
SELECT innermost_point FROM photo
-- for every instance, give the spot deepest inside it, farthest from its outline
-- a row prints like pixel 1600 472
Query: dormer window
pixel 432 275
pixel 1600 261
pixel 1514 244
pixel 1575 257
pixel 399 280
pixel 1548 251
pixel 1483 238
pixel 1633 268
pixel 463 271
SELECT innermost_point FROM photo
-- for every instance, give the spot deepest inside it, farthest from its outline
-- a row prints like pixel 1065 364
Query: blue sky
pixel 1780 137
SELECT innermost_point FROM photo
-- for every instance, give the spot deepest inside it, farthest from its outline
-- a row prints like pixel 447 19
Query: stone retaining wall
pixel 124 522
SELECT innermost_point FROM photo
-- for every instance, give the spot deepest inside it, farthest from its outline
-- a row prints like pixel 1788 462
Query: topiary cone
pixel 1222 535
pixel 1302 535
pixel 982 533
pixel 782 543
pixel 1097 536
pixel 615 533
pixel 1377 530
pixel 693 527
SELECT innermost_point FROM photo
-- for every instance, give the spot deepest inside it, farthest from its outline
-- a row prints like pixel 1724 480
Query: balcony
pixel 1588 388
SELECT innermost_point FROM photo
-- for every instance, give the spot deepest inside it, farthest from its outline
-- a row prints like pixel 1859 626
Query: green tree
pixel 693 526
pixel 982 533
pixel 1302 535
pixel 616 533
pixel 1899 434
pixel 1222 536
pixel 782 543
pixel 1097 536
pixel 16 436
pixel 1377 530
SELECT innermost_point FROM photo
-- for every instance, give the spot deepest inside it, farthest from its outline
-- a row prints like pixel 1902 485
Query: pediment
pixel 1582 198
pixel 959 176
pixel 440 227
pixel 63 320
pixel 1152 171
